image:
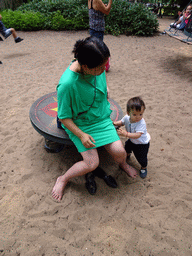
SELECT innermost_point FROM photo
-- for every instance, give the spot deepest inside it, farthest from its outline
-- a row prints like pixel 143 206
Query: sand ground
pixel 140 217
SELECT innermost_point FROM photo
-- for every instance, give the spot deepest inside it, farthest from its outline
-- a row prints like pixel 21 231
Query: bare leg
pixel 89 163
pixel 118 152
pixel 13 33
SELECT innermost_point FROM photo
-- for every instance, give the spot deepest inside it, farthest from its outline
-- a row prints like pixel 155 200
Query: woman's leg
pixel 118 152
pixel 89 163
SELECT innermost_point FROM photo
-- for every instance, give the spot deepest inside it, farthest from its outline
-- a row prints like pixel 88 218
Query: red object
pixel 107 66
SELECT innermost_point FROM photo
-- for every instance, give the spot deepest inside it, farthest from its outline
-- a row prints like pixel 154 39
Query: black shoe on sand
pixel 90 183
pixel 18 40
pixel 109 180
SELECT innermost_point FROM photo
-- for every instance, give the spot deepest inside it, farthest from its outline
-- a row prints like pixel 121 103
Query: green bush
pixel 59 23
pixel 124 18
pixel 23 21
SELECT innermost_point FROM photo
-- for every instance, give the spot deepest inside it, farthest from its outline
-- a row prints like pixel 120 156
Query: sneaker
pixel 18 39
pixel 173 26
pixel 1 62
pixel 1 39
pixel 143 173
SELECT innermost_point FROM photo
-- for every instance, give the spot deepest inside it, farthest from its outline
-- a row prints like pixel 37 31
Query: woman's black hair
pixel 135 103
pixel 91 52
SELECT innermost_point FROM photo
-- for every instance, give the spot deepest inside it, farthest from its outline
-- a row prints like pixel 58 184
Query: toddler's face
pixel 136 116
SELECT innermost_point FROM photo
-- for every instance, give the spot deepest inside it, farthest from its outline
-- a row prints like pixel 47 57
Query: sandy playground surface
pixel 140 217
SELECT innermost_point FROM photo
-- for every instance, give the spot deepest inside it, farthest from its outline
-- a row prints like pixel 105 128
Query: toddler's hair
pixel 135 103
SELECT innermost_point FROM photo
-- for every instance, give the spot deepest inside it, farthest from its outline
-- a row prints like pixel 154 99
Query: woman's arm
pixel 86 139
pixel 118 123
pixel 100 6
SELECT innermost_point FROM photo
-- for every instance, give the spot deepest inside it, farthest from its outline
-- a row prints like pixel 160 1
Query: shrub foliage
pixel 124 18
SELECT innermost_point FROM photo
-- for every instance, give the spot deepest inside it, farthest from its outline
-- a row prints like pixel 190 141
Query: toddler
pixel 138 138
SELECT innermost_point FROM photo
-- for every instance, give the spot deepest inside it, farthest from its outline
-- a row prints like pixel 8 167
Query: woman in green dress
pixel 84 111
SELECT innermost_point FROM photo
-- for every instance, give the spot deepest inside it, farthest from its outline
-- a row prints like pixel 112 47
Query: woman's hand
pixel 117 124
pixel 87 140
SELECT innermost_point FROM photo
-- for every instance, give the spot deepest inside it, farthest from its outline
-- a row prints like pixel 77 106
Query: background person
pixel 183 20
pixel 97 10
pixel 6 32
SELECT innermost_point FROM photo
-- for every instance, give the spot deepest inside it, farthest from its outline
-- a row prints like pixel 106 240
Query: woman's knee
pixel 117 150
pixel 92 165
pixel 91 160
pixel 121 153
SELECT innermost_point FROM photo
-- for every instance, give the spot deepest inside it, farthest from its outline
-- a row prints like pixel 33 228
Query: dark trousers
pixel 140 151
pixel 98 34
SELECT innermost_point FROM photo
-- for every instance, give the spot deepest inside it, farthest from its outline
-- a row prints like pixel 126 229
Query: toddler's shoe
pixel 143 173
pixel 18 39
pixel 1 39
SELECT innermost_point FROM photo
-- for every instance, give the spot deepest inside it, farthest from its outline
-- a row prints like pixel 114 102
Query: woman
pixel 97 9
pixel 84 111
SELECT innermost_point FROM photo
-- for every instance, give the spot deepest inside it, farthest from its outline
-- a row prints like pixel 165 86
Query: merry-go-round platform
pixel 43 116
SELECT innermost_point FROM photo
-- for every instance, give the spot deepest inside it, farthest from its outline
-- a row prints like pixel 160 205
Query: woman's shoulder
pixel 67 79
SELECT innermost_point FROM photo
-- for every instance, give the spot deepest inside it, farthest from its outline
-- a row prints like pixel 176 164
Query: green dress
pixel 83 98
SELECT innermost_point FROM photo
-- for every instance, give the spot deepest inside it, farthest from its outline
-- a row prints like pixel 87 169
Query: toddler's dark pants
pixel 140 151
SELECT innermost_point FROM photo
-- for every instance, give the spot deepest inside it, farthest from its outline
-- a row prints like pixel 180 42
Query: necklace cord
pixel 95 91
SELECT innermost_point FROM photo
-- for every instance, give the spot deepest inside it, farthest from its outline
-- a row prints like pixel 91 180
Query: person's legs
pixel 140 151
pixel 128 148
pixel 98 34
pixel 118 152
pixel 180 20
pixel 16 38
pixel 13 33
pixel 89 163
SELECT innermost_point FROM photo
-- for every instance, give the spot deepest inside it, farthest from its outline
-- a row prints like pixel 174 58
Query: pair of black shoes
pixel 98 172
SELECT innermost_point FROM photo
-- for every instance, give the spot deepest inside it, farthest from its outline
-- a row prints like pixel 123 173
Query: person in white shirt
pixel 138 138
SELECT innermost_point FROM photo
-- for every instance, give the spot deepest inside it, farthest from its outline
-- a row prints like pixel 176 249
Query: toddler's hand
pixel 122 132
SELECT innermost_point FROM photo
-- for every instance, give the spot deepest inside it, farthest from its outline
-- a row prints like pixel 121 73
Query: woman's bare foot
pixel 129 170
pixel 57 192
